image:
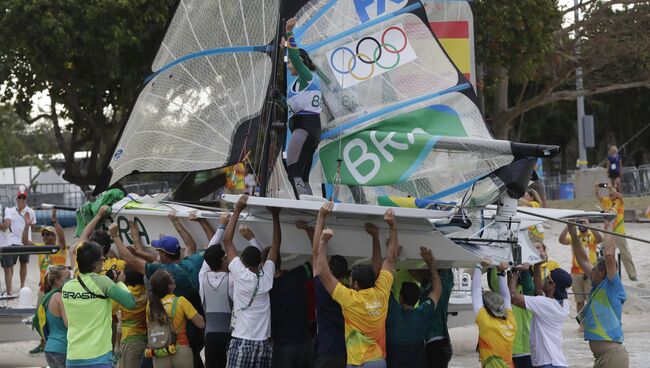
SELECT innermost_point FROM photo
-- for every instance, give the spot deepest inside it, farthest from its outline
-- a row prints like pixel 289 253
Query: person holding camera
pixel 614 203
pixel 87 300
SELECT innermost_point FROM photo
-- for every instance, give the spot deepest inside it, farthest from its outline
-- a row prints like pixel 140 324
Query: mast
pixel 269 115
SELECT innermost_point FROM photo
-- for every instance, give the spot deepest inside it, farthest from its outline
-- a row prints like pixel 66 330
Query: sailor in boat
pixel 304 101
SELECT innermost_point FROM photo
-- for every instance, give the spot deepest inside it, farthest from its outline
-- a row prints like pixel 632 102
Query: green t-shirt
pixel 437 325
pixel 89 317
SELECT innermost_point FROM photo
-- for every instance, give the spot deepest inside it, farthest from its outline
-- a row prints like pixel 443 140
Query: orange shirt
pixel 588 242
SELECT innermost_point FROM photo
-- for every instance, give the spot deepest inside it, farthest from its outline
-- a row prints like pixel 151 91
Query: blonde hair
pixel 613 150
pixel 533 193
pixel 54 273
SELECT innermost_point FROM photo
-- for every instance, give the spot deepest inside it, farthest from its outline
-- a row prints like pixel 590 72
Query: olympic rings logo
pixel 380 50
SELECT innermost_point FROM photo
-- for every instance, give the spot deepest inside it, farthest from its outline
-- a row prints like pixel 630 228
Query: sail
pixel 400 118
pixel 201 106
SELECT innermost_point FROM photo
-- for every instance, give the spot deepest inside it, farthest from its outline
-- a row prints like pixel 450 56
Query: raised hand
pixel 53 216
pixel 291 23
pixel 327 234
pixel 427 255
pixel 28 218
pixel 523 267
pixel 486 262
pixel 371 229
pixel 241 203
pixel 389 217
pixel 246 232
pixel 113 230
pixel 103 210
pixel 502 267
pixel 326 208
pixel 225 217
pixel 302 225
pixel 172 216
pixel 193 216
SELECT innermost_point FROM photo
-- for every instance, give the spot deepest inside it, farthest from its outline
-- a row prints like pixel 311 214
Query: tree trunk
pixel 500 127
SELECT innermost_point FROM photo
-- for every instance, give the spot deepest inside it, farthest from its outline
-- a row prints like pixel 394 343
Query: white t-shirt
pixel 18 224
pixel 251 322
pixel 546 330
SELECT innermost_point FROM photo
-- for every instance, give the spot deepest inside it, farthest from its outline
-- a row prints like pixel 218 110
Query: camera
pixel 112 273
pixel 602 185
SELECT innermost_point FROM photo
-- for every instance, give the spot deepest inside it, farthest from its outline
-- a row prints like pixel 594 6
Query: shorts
pixel 249 353
pixel 55 360
pixel 23 258
pixel 581 286
pixel 615 358
pixel 614 174
pixel 8 261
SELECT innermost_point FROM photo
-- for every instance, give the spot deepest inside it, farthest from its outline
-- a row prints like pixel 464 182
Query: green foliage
pixel 90 55
pixel 517 35
pixel 15 150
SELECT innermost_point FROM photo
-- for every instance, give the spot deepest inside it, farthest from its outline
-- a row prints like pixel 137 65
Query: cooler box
pixel 567 191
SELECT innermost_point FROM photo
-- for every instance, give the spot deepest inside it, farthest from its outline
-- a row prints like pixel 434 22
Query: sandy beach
pixel 636 313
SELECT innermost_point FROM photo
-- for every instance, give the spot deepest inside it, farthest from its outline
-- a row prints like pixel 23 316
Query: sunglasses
pixel 47 233
pixel 21 197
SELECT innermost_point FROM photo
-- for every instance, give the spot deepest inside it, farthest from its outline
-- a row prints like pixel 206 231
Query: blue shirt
pixel 329 320
pixel 602 314
pixel 407 327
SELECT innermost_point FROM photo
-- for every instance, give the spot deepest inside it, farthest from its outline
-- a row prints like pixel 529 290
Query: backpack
pixel 39 322
pixel 162 335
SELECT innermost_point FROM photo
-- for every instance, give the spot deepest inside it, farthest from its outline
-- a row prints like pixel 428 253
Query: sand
pixel 636 314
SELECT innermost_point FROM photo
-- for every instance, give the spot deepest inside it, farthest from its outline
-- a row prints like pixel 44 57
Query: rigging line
pixel 587 226
pixel 628 141
pixel 351 124
pixel 223 86
pixel 248 42
pixel 196 116
pixel 362 26
pixel 191 26
pixel 241 77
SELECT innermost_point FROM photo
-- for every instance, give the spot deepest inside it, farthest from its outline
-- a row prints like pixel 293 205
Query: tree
pixel 90 57
pixel 529 59
pixel 13 148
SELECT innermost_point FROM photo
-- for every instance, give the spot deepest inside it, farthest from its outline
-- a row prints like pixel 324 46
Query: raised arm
pixel 598 236
pixel 90 227
pixel 563 237
pixel 325 210
pixel 579 251
pixel 60 234
pixel 516 298
pixel 217 238
pixel 6 222
pixel 304 74
pixel 391 256
pixel 616 194
pixel 537 278
pixel 326 277
pixel 277 234
pixel 609 247
pixel 302 225
pixel 131 260
pixel 139 249
pixel 26 230
pixel 228 245
pixel 503 285
pixel 205 225
pixel 477 293
pixel 190 244
pixel 597 192
pixel 372 230
pixel 436 283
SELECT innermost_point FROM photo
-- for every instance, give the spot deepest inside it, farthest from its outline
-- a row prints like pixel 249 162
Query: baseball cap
pixel 562 281
pixel 167 244
pixel 494 304
pixel 48 229
pixel 21 193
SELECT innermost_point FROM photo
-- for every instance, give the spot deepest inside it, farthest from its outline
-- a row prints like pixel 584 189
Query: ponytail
pixel 160 281
pixel 53 273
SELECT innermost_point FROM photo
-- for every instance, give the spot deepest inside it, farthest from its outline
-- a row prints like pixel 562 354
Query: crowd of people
pixel 213 306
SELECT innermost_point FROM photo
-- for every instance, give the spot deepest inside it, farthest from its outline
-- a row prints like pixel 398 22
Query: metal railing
pixel 635 182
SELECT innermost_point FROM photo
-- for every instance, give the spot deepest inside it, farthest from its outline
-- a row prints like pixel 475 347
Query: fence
pixel 635 182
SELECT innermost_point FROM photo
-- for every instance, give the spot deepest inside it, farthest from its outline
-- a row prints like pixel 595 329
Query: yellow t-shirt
pixel 547 267
pixel 536 232
pixel 134 321
pixel 618 207
pixel 116 263
pixel 184 311
pixel 46 260
pixel 495 338
pixel 588 242
pixel 365 312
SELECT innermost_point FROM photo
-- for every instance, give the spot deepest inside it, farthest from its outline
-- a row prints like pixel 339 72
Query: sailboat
pixel 401 128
